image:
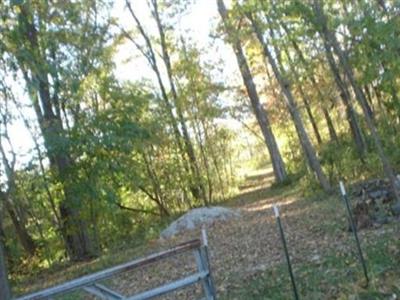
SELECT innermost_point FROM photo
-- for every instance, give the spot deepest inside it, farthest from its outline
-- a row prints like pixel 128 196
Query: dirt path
pixel 243 248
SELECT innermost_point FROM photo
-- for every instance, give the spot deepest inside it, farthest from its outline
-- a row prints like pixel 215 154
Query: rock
pixel 396 209
pixel 378 193
pixel 374 202
pixel 197 217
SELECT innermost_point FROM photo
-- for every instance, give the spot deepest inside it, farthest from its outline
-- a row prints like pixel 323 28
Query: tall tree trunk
pixel 150 56
pixel 7 197
pixel 74 228
pixel 355 128
pixel 370 102
pixel 260 113
pixel 21 231
pixel 306 100
pixel 310 75
pixel 197 186
pixel 5 291
pixel 331 38
pixel 46 181
pixel 308 148
pixel 214 158
pixel 314 125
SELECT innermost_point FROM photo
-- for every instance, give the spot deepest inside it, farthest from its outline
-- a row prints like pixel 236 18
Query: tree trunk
pixel 310 75
pixel 260 113
pixel 5 292
pixel 16 215
pixel 314 125
pixel 156 186
pixel 331 38
pixel 356 131
pixel 150 56
pixel 370 102
pixel 332 132
pixel 74 228
pixel 214 159
pixel 197 186
pixel 24 237
pixel 291 105
pixel 306 100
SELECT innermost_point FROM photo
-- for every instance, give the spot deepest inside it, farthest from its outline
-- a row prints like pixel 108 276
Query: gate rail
pixel 89 282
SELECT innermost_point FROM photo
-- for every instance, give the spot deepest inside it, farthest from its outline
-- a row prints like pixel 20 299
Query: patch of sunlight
pixel 264 171
pixel 265 205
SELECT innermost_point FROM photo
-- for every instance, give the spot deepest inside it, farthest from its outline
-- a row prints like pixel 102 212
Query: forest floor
pixel 246 254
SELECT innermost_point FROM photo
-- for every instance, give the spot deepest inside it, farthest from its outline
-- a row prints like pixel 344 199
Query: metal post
pixel 354 229
pixel 278 219
pixel 203 264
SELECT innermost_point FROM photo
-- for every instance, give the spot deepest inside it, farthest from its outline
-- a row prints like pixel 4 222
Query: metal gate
pixel 90 285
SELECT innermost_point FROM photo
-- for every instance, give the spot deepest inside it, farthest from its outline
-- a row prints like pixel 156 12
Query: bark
pixel 370 102
pixel 214 158
pixel 197 187
pixel 74 228
pixel 186 148
pixel 156 186
pixel 310 75
pixel 150 55
pixel 307 147
pixel 306 100
pixel 21 231
pixel 260 113
pixel 331 38
pixel 16 213
pixel 313 122
pixel 356 131
pixel 5 292
pixel 204 156
pixel 46 180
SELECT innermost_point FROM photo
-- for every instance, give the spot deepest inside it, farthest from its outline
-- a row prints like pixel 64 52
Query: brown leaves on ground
pixel 243 248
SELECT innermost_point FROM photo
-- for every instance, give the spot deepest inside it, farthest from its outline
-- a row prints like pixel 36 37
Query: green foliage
pixel 128 167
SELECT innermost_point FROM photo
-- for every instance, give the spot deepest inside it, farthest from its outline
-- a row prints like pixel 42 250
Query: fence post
pixel 278 220
pixel 202 261
pixel 354 229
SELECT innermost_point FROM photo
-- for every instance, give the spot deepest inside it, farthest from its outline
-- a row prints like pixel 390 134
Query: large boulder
pixel 197 217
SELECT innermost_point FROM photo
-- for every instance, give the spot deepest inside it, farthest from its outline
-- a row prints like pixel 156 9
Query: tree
pixel 186 148
pixel 331 39
pixel 260 113
pixel 5 292
pixel 9 196
pixel 197 185
pixel 38 45
pixel 305 142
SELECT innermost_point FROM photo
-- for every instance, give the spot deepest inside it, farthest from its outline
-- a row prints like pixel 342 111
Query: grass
pixel 336 274
pixel 333 277
pixel 333 273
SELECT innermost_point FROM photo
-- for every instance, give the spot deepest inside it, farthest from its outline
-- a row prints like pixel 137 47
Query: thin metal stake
pixel 278 219
pixel 354 229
